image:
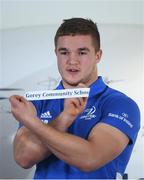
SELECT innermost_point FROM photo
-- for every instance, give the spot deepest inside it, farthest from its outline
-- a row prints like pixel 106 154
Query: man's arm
pixel 104 142
pixel 103 145
pixel 29 149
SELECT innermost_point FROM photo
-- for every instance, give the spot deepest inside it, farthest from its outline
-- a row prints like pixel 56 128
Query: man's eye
pixel 82 53
pixel 64 52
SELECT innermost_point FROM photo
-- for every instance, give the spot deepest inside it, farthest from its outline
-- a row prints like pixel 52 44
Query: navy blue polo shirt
pixel 104 105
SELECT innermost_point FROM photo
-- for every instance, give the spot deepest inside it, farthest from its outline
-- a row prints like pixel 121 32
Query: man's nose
pixel 73 58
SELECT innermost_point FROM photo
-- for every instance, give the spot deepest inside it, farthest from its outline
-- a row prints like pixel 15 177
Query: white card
pixel 57 94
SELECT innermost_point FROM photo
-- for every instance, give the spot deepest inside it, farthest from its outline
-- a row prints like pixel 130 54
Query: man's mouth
pixel 73 70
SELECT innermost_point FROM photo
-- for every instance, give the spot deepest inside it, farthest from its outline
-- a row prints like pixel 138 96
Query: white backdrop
pixel 29 62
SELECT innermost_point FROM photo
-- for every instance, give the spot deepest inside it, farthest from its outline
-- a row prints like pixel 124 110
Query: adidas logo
pixel 46 115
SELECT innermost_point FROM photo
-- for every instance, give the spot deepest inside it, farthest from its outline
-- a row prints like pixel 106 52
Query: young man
pixel 86 137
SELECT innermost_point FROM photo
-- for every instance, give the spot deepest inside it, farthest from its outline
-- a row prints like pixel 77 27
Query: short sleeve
pixel 122 113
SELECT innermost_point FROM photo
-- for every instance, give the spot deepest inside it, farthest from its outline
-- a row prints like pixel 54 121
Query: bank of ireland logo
pixel 89 113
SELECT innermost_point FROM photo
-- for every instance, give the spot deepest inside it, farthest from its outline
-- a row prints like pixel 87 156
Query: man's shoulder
pixel 111 95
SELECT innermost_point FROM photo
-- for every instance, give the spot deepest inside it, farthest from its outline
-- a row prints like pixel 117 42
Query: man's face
pixel 77 59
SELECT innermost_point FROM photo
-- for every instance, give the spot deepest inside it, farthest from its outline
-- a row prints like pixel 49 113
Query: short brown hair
pixel 79 26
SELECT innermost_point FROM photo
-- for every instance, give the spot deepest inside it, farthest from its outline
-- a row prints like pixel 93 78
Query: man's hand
pixel 21 108
pixel 75 106
pixel 72 108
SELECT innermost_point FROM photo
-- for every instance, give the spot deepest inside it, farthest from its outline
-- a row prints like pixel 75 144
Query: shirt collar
pixel 96 87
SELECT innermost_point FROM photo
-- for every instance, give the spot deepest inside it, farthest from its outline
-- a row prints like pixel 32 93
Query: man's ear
pixel 98 56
